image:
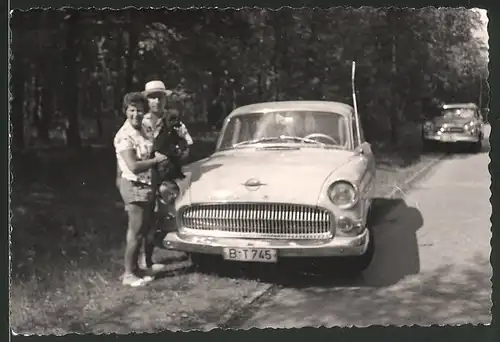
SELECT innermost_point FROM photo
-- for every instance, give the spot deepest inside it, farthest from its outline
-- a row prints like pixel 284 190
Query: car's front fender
pixel 361 173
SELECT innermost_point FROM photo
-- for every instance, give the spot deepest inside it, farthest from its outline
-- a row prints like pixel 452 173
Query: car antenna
pixel 355 105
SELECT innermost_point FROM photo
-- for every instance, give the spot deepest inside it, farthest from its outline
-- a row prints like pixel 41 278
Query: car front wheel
pixel 358 264
pixel 477 146
pixel 349 266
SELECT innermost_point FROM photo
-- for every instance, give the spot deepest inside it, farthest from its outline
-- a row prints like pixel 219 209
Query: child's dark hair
pixel 135 99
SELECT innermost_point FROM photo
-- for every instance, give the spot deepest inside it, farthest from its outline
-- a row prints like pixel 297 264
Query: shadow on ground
pixel 451 294
pixel 459 150
pixel 396 256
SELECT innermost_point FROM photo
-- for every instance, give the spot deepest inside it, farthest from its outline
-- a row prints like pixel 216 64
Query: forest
pixel 70 69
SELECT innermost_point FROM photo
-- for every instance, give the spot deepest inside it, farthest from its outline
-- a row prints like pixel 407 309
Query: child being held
pixel 172 140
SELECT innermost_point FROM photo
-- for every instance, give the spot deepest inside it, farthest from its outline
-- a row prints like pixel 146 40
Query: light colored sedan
pixel 288 179
pixel 460 123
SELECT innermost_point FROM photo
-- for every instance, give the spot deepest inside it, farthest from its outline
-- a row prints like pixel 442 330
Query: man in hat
pixel 156 94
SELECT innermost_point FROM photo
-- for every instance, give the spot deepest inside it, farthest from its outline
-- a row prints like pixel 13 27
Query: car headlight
pixel 428 126
pixel 343 194
pixel 471 127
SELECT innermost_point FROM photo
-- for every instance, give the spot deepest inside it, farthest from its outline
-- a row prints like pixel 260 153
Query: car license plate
pixel 446 137
pixel 251 254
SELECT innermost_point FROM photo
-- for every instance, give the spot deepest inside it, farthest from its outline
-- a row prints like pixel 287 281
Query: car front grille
pixel 258 220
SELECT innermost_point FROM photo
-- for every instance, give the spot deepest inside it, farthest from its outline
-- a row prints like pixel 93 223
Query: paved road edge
pixel 266 289
pixel 408 182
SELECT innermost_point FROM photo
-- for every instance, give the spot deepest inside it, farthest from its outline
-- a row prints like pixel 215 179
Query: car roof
pixel 459 105
pixel 326 106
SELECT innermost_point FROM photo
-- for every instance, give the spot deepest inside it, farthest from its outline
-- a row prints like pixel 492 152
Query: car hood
pixel 290 176
pixel 455 121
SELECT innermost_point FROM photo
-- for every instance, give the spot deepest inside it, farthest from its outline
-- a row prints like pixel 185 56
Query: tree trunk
pixel 71 81
pixel 99 127
pixel 102 87
pixel 47 102
pixel 46 83
pixel 133 38
pixel 285 60
pixel 18 78
pixel 316 89
pixel 275 67
pixel 35 110
pixel 121 64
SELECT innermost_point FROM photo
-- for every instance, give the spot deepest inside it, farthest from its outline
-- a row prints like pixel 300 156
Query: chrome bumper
pixel 338 246
pixel 451 137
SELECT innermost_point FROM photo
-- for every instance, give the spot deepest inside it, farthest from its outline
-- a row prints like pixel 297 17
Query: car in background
pixel 457 123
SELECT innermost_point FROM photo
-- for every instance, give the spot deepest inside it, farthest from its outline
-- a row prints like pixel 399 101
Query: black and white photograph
pixel 206 168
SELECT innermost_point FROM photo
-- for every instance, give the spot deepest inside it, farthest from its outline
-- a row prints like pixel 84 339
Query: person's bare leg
pixel 137 218
pixel 148 242
pixel 149 239
pixel 134 237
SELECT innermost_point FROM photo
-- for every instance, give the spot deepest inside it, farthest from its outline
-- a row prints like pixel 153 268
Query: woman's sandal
pixel 135 281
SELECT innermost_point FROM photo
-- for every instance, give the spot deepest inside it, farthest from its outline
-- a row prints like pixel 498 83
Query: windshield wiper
pixel 282 137
pixel 304 140
pixel 255 141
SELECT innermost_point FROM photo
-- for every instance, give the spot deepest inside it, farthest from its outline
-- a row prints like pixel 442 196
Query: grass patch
pixel 68 241
pixel 89 301
pixel 67 262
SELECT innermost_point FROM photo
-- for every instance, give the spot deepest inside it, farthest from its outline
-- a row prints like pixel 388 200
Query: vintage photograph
pixel 194 169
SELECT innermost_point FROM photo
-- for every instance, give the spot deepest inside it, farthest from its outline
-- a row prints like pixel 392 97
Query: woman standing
pixel 133 151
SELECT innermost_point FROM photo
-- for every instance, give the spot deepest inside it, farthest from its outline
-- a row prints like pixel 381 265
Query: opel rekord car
pixel 288 179
pixel 457 123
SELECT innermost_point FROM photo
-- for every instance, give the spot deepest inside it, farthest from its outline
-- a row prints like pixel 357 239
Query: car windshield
pixel 458 112
pixel 312 128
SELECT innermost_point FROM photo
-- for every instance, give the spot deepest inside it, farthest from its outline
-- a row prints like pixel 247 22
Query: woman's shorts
pixel 136 192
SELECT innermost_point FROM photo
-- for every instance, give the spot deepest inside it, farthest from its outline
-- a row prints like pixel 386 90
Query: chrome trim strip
pixel 340 246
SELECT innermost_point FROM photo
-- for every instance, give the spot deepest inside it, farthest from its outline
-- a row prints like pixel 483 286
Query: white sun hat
pixel 156 87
